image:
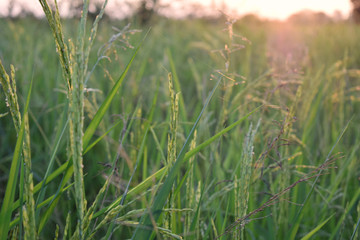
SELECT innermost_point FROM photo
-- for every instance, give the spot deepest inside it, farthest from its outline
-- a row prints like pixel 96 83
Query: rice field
pixel 181 129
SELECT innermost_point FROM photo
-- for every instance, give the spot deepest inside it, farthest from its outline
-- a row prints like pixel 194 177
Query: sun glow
pixel 281 9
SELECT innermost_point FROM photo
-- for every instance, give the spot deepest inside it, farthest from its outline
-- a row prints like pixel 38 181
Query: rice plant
pixel 211 132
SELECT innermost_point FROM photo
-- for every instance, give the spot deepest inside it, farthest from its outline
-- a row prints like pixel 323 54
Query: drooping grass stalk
pixel 22 144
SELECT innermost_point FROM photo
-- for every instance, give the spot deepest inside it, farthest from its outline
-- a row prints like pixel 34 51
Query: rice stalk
pixel 67 226
pixel 171 149
pixel 246 173
pixel 57 232
pixel 74 62
pixel 9 88
pixel 177 87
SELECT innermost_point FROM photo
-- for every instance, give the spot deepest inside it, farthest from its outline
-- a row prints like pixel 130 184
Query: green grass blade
pixel 349 207
pixel 158 204
pixel 196 216
pixel 52 176
pixel 138 160
pixel 355 230
pixel 7 205
pixel 101 137
pixel 140 153
pixel 149 181
pixel 298 217
pixel 21 197
pixel 57 172
pixel 56 198
pixel 51 163
pixel 106 104
pixel 315 230
pixel 141 187
pixel 40 205
pixel 219 134
pixel 86 138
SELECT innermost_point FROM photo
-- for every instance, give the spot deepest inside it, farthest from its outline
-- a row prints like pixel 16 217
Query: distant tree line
pixel 145 10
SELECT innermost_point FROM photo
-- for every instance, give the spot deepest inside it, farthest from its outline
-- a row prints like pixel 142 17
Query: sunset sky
pixel 275 9
pixel 281 9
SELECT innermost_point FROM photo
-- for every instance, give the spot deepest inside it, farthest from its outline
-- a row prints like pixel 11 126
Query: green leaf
pixel 49 168
pixel 39 206
pixel 101 137
pixel 7 206
pixel 86 139
pixel 145 228
pixel 106 104
pixel 300 214
pixel 315 230
pixel 138 189
pixel 150 180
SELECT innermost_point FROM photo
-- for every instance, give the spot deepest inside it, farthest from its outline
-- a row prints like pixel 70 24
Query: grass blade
pixel 106 104
pixel 298 217
pixel 158 204
pixel 51 163
pixel 315 230
pixel 141 187
pixel 40 205
pixel 149 181
pixel 355 230
pixel 7 206
pixel 219 134
pixel 101 137
pixel 138 160
pixel 341 220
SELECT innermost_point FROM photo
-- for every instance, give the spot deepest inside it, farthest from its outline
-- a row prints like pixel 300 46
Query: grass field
pixel 193 129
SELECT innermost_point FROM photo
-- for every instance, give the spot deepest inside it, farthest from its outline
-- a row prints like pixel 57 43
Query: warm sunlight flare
pixel 281 9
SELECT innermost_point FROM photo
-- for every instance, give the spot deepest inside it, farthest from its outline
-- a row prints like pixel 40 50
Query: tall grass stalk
pixel 74 61
pixel 242 197
pixel 170 219
pixel 23 143
pixel 9 87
